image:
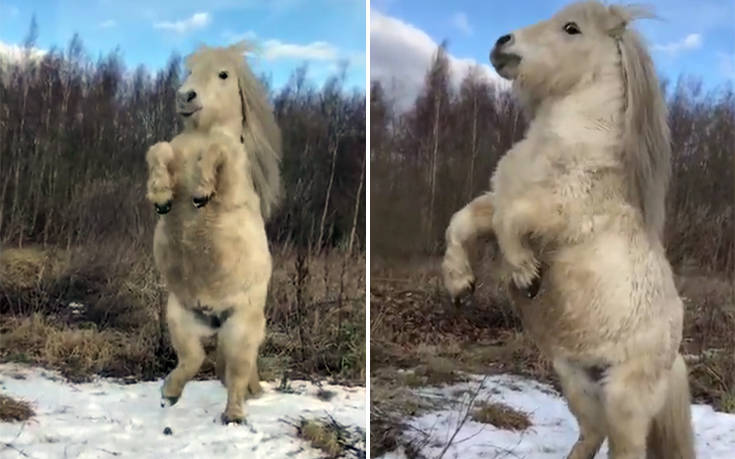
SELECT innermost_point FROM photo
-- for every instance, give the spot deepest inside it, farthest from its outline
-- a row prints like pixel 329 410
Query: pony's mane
pixel 261 136
pixel 646 138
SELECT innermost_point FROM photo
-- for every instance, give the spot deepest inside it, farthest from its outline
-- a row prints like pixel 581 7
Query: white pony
pixel 577 209
pixel 214 184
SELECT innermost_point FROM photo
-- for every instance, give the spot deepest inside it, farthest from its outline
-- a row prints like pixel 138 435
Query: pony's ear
pixel 241 47
pixel 620 16
pixel 617 21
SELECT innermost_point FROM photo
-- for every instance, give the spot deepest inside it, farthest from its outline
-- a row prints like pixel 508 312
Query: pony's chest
pixel 187 171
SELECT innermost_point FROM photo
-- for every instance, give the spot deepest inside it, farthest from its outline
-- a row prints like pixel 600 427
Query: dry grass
pixel 501 416
pixel 322 436
pixel 332 438
pixel 12 410
pixel 99 310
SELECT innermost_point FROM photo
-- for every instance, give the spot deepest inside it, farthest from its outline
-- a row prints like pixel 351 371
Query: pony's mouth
pixel 506 64
pixel 187 112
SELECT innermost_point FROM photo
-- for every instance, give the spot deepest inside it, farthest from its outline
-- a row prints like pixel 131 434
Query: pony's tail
pixel 671 435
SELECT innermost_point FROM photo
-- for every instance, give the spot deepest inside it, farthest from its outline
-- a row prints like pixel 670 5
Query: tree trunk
pixel 434 154
pixel 334 147
pixel 473 153
pixel 356 212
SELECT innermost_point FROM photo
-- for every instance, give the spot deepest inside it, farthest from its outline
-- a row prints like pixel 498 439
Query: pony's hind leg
pixel 187 342
pixel 582 394
pixel 633 394
pixel 254 388
pixel 239 339
pixel 160 181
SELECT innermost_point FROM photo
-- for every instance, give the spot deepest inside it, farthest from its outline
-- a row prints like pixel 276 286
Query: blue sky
pixel 289 32
pixel 690 38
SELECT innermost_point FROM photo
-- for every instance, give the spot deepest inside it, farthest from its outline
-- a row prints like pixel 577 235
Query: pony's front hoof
pixel 464 296
pixel 163 209
pixel 533 289
pixel 200 202
pixel 233 419
pixel 168 401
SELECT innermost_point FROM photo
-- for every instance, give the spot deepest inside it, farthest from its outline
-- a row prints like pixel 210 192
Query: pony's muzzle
pixel 185 97
pixel 502 59
pixel 187 103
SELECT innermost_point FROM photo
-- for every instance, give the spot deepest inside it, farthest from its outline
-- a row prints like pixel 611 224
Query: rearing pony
pixel 214 185
pixel 577 209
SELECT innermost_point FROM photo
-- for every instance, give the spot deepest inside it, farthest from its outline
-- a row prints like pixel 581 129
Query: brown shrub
pixel 12 410
pixel 501 416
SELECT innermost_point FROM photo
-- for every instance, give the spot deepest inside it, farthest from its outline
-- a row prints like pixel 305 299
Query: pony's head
pixel 574 50
pixel 221 91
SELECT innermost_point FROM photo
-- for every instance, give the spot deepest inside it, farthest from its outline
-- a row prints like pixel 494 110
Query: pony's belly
pixel 584 312
pixel 208 263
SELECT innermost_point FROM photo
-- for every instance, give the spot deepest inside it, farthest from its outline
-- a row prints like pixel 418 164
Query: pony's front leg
pixel 463 236
pixel 530 215
pixel 209 166
pixel 160 178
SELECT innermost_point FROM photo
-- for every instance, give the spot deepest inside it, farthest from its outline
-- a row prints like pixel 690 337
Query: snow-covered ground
pixel 104 419
pixel 552 434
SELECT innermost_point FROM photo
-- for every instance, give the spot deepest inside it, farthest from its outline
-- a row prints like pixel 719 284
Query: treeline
pixel 74 132
pixel 430 160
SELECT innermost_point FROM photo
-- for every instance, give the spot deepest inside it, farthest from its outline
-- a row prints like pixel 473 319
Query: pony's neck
pixel 231 128
pixel 591 114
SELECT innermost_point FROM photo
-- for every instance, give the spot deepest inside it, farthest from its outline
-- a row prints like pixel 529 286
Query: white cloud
pixel 400 55
pixel 690 42
pixel 317 51
pixel 17 53
pixel 108 24
pixel 461 23
pixel 196 21
pixel 274 49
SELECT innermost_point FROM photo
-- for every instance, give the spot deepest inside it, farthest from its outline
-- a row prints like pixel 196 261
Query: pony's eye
pixel 223 75
pixel 571 28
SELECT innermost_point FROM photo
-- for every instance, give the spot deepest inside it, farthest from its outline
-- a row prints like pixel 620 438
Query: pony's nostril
pixel 191 95
pixel 503 40
pixel 200 202
pixel 163 209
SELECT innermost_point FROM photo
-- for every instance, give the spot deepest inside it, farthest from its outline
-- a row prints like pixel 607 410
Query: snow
pixel 552 434
pixel 105 419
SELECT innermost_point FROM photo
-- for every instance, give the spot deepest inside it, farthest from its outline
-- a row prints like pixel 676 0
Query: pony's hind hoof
pixel 229 419
pixel 163 209
pixel 200 202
